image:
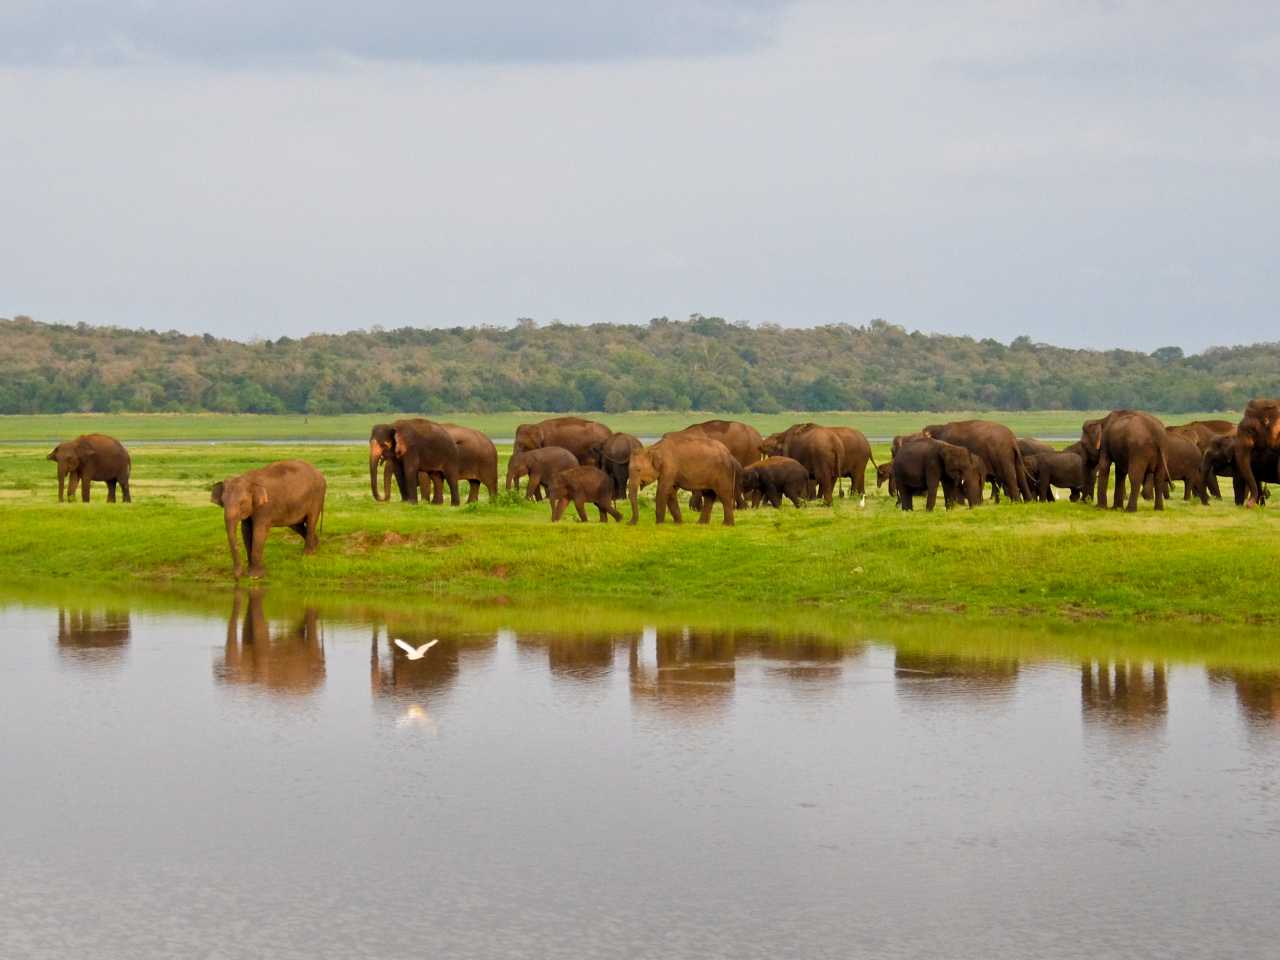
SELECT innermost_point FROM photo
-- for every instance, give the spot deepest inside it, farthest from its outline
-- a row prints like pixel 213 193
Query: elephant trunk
pixel 633 494
pixel 375 457
pixel 231 542
pixel 511 475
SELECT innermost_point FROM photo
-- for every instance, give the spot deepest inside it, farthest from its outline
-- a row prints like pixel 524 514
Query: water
pixel 267 780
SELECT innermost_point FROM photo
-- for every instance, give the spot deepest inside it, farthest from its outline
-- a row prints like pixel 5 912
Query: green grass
pixel 247 427
pixel 1045 563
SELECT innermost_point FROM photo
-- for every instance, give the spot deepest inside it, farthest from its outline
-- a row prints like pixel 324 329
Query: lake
pixel 241 776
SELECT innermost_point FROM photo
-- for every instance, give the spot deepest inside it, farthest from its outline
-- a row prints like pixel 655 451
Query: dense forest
pixel 704 363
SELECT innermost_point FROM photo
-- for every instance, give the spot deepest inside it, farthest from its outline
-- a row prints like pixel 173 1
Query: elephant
pixel 921 465
pixel 1185 463
pixel 92 456
pixel 582 485
pixel 289 493
pixel 995 444
pixel 1030 445
pixel 772 479
pixel 1089 455
pixel 423 446
pixel 1137 444
pixel 1219 460
pixel 681 462
pixel 477 464
pixel 1203 432
pixel 853 461
pixel 540 466
pixel 902 438
pixel 575 434
pixel 382 450
pixel 884 474
pixel 613 456
pixel 1257 435
pixel 742 440
pixel 1057 469
pixel 820 449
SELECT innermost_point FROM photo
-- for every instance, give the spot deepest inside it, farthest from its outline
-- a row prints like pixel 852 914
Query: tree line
pixel 703 363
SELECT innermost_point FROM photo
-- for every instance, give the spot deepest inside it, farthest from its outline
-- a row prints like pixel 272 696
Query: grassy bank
pixel 248 427
pixel 1064 562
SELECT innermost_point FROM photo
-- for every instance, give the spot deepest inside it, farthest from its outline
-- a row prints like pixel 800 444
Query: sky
pixel 1092 174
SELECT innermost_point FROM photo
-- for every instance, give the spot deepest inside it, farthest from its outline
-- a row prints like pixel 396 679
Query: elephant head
pixel 516 469
pixel 71 457
pixel 773 444
pixel 965 470
pixel 382 442
pixel 528 437
pixel 1091 434
pixel 644 467
pixel 239 499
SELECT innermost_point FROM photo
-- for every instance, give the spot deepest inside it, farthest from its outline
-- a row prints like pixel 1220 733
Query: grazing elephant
pixel 477 464
pixel 1257 435
pixel 679 462
pixel 820 449
pixel 575 434
pixel 995 444
pixel 853 461
pixel 613 456
pixel 289 493
pixel 1185 463
pixel 884 474
pixel 540 466
pixel 1057 469
pixel 582 485
pixel 772 479
pixel 423 446
pixel 920 466
pixel 93 456
pixel 1137 444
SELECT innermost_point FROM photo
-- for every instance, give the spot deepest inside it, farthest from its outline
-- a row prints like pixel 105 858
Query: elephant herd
pixel 726 462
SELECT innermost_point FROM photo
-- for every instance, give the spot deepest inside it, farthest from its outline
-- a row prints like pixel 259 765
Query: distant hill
pixel 704 363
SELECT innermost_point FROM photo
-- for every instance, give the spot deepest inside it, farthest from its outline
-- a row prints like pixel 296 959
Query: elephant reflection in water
pixel 1125 694
pixel 810 660
pixel 1257 694
pixel 93 636
pixel 574 656
pixel 941 675
pixel 689 670
pixel 290 662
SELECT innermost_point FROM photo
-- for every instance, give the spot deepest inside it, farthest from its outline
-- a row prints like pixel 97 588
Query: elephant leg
pixel 1008 477
pixel 558 508
pixel 84 489
pixel 580 505
pixel 727 505
pixel 673 503
pixel 1161 484
pixel 906 499
pixel 1103 473
pixel 111 491
pixel 607 508
pixel 124 488
pixel 451 476
pixel 260 530
pixel 473 491
pixel 408 470
pixel 1133 477
pixel 1215 490
pixel 437 490
pixel 695 500
pixel 704 512
pixel 931 491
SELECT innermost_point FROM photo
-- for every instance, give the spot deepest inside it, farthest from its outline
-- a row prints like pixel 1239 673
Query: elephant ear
pixel 260 498
pixel 215 495
pixel 84 450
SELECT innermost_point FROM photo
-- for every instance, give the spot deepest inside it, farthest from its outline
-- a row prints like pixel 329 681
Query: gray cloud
pixel 237 32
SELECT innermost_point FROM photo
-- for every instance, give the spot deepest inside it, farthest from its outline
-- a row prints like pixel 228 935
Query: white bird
pixel 415 653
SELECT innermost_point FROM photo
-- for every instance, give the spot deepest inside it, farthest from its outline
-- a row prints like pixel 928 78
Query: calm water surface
pixel 251 785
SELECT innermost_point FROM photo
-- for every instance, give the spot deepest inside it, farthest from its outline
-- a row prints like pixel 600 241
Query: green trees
pixel 703 363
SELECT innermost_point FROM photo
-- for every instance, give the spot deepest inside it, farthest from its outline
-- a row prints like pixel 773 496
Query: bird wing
pixel 404 646
pixel 427 646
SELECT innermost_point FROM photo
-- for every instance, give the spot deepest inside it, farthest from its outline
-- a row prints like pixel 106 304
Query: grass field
pixel 134 427
pixel 1058 562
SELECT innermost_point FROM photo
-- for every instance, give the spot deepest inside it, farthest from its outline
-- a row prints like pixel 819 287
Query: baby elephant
pixel 582 485
pixel 540 466
pixel 1056 469
pixel 884 474
pixel 289 493
pixel 774 478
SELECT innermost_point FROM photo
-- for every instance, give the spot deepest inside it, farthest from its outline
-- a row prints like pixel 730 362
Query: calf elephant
pixel 1137 444
pixel 613 456
pixel 884 474
pixel 818 448
pixel 678 462
pixel 920 466
pixel 772 479
pixel 996 445
pixel 1057 469
pixel 289 493
pixel 575 434
pixel 582 485
pixel 541 466
pixel 90 457
pixel 1257 435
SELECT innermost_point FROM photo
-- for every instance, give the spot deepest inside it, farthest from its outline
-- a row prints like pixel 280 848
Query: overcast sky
pixel 1088 173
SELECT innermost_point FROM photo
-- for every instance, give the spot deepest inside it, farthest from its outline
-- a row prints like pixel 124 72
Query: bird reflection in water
pixel 290 661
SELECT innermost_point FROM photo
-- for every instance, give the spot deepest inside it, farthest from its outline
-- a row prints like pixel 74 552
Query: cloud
pixel 239 32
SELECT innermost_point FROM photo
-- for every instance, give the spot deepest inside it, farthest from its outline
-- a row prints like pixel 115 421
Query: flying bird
pixel 415 653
